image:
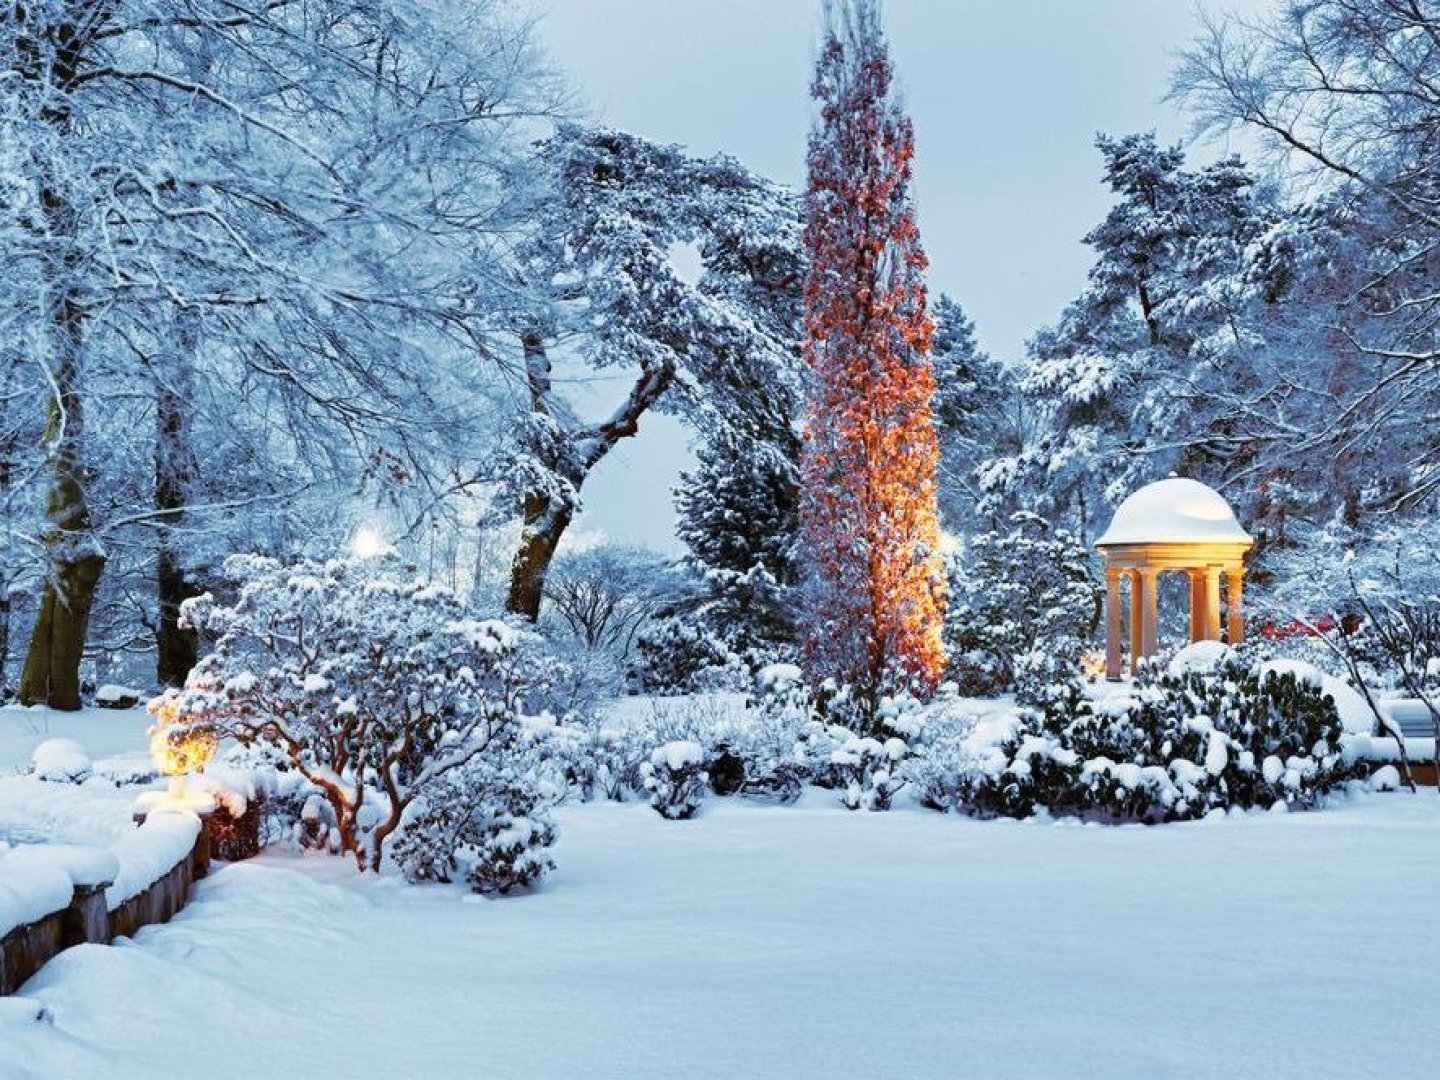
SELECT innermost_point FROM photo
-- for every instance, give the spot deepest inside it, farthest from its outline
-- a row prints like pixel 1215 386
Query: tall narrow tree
pixel 875 588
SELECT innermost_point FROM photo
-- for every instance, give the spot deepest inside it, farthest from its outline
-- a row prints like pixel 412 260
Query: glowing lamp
pixel 179 745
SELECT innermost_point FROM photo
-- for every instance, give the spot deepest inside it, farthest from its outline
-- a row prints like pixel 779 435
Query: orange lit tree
pixel 875 594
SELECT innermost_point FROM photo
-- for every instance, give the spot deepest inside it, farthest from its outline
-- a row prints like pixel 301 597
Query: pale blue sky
pixel 1006 95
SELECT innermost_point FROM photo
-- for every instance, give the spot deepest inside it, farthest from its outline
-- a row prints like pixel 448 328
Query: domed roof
pixel 1174 511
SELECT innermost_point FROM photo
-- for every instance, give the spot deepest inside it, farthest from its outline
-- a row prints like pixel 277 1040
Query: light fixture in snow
pixel 367 543
pixel 180 742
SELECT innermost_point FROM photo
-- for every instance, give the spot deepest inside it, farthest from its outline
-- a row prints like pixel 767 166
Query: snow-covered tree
pixel 375 684
pixel 737 516
pixel 1343 92
pixel 602 287
pixel 875 589
pixel 276 228
pixel 1137 377
pixel 1024 604
pixel 977 411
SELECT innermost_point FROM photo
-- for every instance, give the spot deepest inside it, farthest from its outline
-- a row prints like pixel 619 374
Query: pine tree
pixel 875 586
pixel 736 513
pixel 977 414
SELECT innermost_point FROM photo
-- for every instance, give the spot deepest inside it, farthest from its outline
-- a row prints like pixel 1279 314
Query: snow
pixel 678 755
pixel 1199 657
pixel 104 733
pixel 36 880
pixel 1176 511
pixel 701 949
pixel 113 694
pixel 147 854
pixel 61 761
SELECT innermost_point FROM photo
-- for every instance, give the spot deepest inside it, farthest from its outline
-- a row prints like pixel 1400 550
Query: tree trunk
pixel 52 665
pixel 569 456
pixel 545 524
pixel 175 648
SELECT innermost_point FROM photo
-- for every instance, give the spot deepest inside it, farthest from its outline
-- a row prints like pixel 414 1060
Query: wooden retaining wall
pixel 25 949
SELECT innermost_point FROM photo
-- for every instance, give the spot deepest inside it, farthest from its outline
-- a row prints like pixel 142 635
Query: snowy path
pixel 799 942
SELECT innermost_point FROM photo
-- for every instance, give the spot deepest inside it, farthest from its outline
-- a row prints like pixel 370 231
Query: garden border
pixel 88 920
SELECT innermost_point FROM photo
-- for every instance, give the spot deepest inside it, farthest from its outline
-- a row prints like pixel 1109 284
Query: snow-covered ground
pixel 93 812
pixel 795 942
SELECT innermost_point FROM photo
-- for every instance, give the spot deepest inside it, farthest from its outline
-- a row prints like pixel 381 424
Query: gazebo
pixel 1171 525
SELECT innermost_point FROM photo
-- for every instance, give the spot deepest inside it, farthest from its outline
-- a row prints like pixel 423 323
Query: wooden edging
pixel 87 920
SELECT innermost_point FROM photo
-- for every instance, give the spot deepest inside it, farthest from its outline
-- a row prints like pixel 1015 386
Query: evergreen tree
pixel 1147 371
pixel 976 407
pixel 875 589
pixel 738 516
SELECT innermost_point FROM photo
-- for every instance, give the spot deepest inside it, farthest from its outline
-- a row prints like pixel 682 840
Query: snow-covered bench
pixel 1411 716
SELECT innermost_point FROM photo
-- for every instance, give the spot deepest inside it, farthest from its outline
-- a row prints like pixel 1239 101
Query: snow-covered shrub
pixel 677 779
pixel 599 760
pixel 943 756
pixel 1242 735
pixel 864 771
pixel 1023 607
pixel 862 768
pixel 487 824
pixel 373 683
pixel 61 761
pixel 681 655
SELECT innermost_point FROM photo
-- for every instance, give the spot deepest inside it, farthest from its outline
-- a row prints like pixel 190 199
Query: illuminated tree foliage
pixel 875 592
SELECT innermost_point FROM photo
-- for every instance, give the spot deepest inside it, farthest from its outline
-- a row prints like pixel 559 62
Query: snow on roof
pixel 1174 511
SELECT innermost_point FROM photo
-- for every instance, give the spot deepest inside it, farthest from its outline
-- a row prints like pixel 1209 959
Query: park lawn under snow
pixel 793 942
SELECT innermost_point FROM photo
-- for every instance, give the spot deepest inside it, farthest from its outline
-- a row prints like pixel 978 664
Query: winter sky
pixel 1006 95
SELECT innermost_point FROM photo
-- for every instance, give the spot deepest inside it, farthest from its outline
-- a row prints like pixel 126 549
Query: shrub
pixel 680 655
pixel 372 683
pixel 487 824
pixel 1242 735
pixel 863 770
pixel 676 777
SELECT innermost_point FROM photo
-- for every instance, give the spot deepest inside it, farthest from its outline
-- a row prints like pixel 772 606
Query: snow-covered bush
pixel 677 779
pixel 374 684
pixel 1023 606
pixel 864 771
pixel 942 760
pixel 487 824
pixel 681 655
pixel 595 761
pixel 1244 734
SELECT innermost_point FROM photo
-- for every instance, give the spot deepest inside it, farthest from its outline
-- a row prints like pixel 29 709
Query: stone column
pixel 1150 622
pixel 1212 603
pixel 1197 604
pixel 1137 619
pixel 1234 599
pixel 1114 624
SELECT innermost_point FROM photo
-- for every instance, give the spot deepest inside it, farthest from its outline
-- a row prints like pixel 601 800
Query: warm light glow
pixel 1092 664
pixel 367 543
pixel 179 745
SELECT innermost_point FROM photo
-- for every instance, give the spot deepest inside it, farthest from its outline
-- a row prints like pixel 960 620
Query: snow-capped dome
pixel 1174 511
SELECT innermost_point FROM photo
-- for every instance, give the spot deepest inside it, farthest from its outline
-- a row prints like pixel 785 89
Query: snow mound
pixel 1174 511
pixel 1200 657
pixel 62 761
